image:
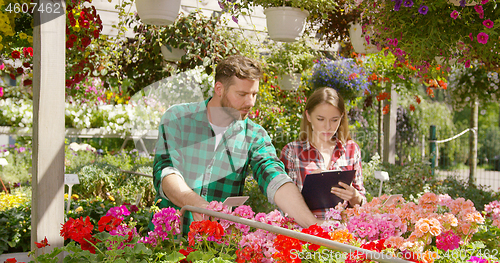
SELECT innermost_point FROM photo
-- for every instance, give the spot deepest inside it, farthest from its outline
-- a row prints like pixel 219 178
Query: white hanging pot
pixel 467 2
pixel 358 41
pixel 174 55
pixel 289 81
pixel 285 24
pixel 158 12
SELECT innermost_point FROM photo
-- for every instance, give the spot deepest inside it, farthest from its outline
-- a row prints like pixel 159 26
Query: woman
pixel 325 144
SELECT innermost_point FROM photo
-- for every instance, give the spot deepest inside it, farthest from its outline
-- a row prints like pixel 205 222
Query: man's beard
pixel 231 110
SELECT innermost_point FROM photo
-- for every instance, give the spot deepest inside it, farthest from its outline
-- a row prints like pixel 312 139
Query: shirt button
pixel 204 191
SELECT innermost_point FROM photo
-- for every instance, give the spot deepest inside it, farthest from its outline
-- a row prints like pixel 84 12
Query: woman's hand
pixel 348 193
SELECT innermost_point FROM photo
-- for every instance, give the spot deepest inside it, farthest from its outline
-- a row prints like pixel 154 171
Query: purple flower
pixel 235 19
pixel 397 5
pixel 423 9
pixel 488 23
pixel 454 14
pixel 462 3
pixel 408 3
pixel 482 38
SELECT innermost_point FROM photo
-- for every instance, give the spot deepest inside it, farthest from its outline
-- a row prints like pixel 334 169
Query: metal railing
pixel 379 257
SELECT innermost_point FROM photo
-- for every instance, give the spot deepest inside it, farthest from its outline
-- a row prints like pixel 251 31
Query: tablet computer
pixel 317 188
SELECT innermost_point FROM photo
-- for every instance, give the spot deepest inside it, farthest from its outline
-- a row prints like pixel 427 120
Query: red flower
pixel 205 228
pixel 442 84
pixel 27 82
pixel 86 41
pixel 44 243
pixel 12 76
pixel 26 65
pixel 11 260
pixel 382 96
pixel 285 246
pixel 96 33
pixel 412 107
pixel 69 44
pixel 316 230
pixel 15 54
pixel 72 38
pixel 77 229
pixel 385 110
pixel 417 98
pixel 353 76
pixel 19 70
pixel 186 252
pixel 249 254
pixel 28 51
pixel 108 223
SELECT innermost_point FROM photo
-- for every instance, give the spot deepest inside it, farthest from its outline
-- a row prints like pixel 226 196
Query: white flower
pixel 3 162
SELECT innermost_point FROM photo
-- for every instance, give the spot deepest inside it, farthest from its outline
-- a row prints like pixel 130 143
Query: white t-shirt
pixel 219 131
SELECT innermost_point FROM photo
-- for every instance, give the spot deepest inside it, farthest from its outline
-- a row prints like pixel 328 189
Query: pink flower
pixel 454 14
pixel 479 10
pixel 482 38
pixel 471 37
pixel 484 2
pixel 447 241
pixel 488 23
pixel 467 63
pixel 367 38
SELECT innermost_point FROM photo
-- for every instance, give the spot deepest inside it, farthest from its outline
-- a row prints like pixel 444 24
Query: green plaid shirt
pixel 186 147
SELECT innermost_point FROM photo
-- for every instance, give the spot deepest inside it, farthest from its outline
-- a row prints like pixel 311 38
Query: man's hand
pixel 177 191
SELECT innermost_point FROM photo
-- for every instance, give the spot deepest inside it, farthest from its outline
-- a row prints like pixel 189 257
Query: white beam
pixel 47 205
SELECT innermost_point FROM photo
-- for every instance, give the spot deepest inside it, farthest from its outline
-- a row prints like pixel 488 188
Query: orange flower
pixel 430 92
pixel 341 236
pixel 443 84
pixel 412 108
pixel 417 98
pixel 353 76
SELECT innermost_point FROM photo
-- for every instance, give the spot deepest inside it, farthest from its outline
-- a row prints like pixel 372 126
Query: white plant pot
pixel 358 41
pixel 289 82
pixel 174 55
pixel 467 2
pixel 158 12
pixel 441 61
pixel 285 24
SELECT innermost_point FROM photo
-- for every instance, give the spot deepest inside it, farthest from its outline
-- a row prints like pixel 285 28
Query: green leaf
pixel 176 256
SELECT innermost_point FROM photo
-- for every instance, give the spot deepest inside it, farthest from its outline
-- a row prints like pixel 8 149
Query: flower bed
pixel 436 228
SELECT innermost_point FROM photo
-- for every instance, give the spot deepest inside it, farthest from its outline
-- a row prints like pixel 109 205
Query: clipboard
pixel 317 188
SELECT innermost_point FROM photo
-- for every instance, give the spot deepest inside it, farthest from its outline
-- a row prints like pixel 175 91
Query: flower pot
pixel 285 23
pixel 289 81
pixel 174 55
pixel 467 2
pixel 158 12
pixel 358 40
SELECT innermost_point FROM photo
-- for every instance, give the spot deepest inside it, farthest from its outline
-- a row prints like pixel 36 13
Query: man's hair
pixel 332 97
pixel 239 66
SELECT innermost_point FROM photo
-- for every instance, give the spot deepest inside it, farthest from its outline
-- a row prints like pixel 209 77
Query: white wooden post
pixel 47 205
pixel 390 129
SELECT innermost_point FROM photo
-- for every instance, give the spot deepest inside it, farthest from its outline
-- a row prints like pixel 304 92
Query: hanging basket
pixel 158 12
pixel 358 41
pixel 467 3
pixel 289 81
pixel 174 55
pixel 285 24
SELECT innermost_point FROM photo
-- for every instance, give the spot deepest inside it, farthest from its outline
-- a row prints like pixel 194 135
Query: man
pixel 204 148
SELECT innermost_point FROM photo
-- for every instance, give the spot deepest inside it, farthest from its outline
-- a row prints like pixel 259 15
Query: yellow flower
pixel 74 197
pixel 1 46
pixel 30 39
pixel 79 209
pixel 65 196
pixel 111 198
pixel 23 35
pixel 102 205
pixel 1 38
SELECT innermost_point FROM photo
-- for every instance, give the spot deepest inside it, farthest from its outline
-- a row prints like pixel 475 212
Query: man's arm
pixel 290 200
pixel 179 193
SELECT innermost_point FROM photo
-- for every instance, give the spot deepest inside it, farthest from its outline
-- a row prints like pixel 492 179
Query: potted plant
pixel 344 75
pixel 287 62
pixel 419 31
pixel 344 24
pixel 158 12
pixel 286 19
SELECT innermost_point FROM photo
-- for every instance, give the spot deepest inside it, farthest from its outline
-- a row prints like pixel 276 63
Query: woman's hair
pixel 332 97
pixel 239 66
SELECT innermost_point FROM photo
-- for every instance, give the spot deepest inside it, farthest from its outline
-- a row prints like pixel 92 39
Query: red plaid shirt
pixel 301 158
